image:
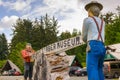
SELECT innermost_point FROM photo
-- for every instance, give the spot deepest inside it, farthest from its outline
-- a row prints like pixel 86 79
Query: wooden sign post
pixel 50 64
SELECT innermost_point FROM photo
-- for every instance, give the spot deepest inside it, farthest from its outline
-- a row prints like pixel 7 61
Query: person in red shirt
pixel 27 54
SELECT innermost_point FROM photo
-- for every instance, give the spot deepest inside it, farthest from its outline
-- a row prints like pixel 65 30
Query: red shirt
pixel 25 55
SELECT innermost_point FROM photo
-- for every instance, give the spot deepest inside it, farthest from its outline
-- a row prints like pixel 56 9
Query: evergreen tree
pixel 65 35
pixel 44 32
pixel 39 33
pixel 22 31
pixel 3 47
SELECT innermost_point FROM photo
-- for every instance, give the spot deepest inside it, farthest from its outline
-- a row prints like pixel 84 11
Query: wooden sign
pixel 50 64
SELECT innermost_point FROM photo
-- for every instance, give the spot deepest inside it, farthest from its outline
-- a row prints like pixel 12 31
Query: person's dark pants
pixel 95 59
pixel 28 69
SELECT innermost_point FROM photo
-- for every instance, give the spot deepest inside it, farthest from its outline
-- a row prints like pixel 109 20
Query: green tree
pixel 39 33
pixel 50 29
pixel 3 47
pixel 16 57
pixel 108 17
pixel 118 9
pixel 78 51
pixel 113 31
pixel 44 32
pixel 75 32
pixel 21 32
pixel 65 35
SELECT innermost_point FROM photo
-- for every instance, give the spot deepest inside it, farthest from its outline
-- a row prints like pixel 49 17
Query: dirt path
pixel 11 78
pixel 21 78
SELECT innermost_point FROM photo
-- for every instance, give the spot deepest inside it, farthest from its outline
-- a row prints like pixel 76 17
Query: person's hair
pixel 28 44
pixel 95 10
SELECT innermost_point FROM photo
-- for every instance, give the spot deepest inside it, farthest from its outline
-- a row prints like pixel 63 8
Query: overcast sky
pixel 69 13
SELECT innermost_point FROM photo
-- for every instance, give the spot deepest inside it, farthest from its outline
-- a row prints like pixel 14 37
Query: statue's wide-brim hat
pixel 87 6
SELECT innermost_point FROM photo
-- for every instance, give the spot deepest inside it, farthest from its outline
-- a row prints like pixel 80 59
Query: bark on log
pixel 51 67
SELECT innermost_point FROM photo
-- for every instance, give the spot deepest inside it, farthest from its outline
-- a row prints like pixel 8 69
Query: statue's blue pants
pixel 95 59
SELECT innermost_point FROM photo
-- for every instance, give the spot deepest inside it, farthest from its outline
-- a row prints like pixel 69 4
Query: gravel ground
pixel 11 78
pixel 85 78
pixel 21 78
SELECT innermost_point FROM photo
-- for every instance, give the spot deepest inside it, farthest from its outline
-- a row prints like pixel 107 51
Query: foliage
pixel 65 35
pixel 44 32
pixel 75 32
pixel 2 62
pixel 39 32
pixel 15 55
pixel 21 32
pixel 78 51
pixel 3 47
pixel 113 32
pixel 118 9
pixel 108 17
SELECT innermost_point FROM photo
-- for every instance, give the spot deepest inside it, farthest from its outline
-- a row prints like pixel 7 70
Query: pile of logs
pixel 52 67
